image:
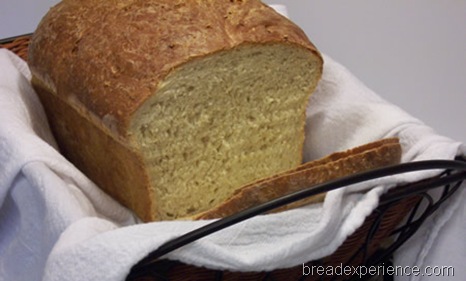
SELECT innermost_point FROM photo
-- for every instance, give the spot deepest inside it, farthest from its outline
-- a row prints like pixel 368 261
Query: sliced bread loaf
pixel 171 106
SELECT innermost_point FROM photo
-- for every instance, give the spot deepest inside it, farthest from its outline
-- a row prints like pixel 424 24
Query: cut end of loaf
pixel 222 121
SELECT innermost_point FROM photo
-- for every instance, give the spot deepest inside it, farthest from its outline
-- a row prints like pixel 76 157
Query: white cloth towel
pixel 55 224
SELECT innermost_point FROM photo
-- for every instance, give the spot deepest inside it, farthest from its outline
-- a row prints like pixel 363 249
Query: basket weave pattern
pixel 19 46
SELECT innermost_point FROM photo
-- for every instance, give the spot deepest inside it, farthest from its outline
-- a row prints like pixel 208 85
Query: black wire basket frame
pixel 450 180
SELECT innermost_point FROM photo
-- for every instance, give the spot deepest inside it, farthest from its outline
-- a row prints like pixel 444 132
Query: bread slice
pixel 170 106
pixel 363 158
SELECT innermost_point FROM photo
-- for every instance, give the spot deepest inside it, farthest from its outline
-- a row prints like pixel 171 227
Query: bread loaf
pixel 171 106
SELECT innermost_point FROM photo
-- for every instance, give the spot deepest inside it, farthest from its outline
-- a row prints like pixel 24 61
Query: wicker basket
pixel 372 244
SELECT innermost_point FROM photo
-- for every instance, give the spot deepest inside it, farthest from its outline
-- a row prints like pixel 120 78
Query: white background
pixel 412 53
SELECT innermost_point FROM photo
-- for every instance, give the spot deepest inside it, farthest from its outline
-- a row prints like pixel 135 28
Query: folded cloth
pixel 55 224
pixel 41 193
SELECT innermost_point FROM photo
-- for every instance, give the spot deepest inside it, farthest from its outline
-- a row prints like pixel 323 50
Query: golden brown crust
pixel 126 69
pixel 118 173
pixel 336 165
